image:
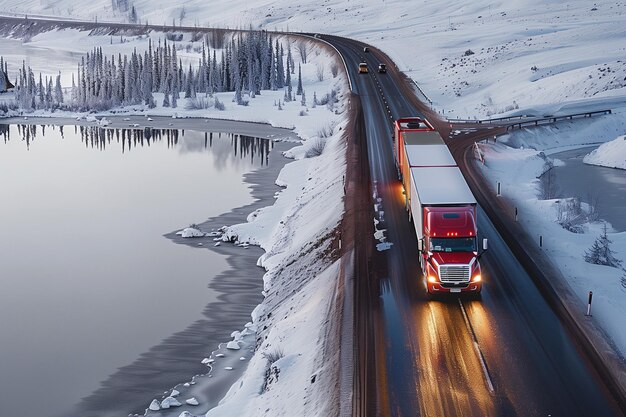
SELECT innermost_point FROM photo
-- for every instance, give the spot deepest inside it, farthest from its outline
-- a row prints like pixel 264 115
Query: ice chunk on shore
pixel 170 402
pixel 190 232
pixel 192 401
pixel 154 406
pixel 233 345
pixel 175 393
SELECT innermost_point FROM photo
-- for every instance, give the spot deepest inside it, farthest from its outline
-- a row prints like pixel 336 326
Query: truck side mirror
pixel 485 244
pixel 420 245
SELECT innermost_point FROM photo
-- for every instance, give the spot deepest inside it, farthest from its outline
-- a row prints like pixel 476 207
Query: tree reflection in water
pixel 100 138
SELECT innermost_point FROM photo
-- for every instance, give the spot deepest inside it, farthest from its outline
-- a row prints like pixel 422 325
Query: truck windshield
pixel 453 244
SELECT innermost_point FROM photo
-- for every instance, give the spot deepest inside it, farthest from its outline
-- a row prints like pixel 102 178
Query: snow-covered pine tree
pixel 290 60
pixel 303 100
pixel 188 82
pixel 166 96
pixel 251 86
pixel 273 83
pixel 133 15
pixel 41 92
pixel 58 91
pixel 49 102
pixel 299 90
pixel 288 82
pixel 280 71
pixel 601 253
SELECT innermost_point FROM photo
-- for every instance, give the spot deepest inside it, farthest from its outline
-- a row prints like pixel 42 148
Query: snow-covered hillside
pixel 472 58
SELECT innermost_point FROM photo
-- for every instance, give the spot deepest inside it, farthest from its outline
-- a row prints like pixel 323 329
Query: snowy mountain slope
pixel 525 52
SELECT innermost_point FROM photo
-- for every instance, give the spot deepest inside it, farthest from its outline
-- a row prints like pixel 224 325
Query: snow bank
pixel 611 154
pixel 288 374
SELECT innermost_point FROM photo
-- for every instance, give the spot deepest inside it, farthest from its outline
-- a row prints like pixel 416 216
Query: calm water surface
pixel 607 185
pixel 88 280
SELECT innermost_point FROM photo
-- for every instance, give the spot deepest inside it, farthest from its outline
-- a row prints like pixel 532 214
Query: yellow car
pixel 363 68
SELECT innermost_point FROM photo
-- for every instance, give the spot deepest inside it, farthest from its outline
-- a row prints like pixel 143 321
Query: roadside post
pixel 589 304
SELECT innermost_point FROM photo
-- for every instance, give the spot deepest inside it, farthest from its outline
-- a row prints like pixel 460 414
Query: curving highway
pixel 507 354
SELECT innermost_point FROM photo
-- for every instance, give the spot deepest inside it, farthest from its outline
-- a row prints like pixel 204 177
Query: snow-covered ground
pixel 611 154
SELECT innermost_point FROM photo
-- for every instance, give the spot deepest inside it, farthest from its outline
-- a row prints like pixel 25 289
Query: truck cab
pixel 449 250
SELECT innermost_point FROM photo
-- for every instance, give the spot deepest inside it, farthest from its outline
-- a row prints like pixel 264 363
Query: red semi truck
pixel 441 207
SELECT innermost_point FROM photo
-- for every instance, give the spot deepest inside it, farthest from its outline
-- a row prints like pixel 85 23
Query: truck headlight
pixel 477 278
pixel 432 279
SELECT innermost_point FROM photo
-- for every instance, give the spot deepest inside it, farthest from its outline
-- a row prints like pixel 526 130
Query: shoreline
pixel 178 358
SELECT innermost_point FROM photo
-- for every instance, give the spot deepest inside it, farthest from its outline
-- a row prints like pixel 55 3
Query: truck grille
pixel 454 273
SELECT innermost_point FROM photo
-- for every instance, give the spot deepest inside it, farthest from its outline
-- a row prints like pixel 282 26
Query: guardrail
pixel 495 120
pixel 530 121
pixel 554 119
pixel 421 92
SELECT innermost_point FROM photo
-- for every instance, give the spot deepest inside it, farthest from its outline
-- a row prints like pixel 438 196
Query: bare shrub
pixel 272 372
pixel 219 105
pixel 198 103
pixel 549 190
pixel 334 69
pixel 316 147
pixel 319 72
pixel 329 100
pixel 174 37
pixel 303 50
pixel 571 215
pixel 274 355
pixel 303 113
pixel 326 131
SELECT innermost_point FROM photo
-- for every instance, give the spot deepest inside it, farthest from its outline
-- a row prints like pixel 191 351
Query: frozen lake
pixel 89 281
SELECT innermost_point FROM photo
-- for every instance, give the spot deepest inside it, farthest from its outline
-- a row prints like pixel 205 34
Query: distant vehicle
pixel 366 49
pixel 441 206
pixel 363 68
pixel 382 68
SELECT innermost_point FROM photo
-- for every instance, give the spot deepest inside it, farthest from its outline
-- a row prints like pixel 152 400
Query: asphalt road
pixel 506 354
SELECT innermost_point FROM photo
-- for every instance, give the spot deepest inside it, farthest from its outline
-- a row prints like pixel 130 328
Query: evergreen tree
pixel 41 92
pixel 600 252
pixel 58 91
pixel 299 90
pixel 288 82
